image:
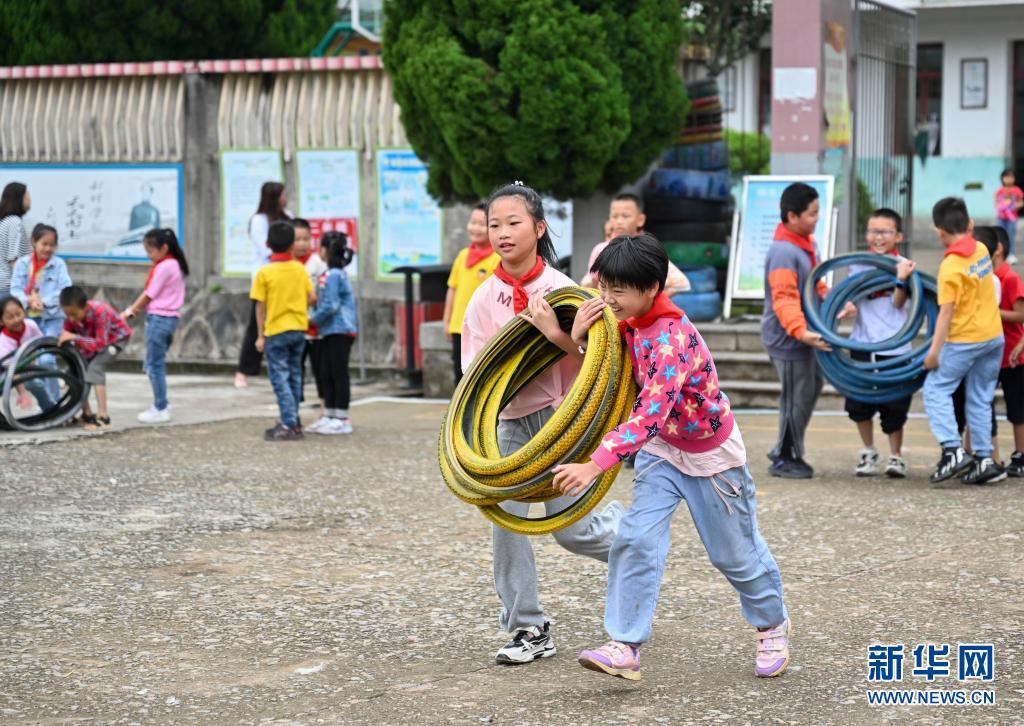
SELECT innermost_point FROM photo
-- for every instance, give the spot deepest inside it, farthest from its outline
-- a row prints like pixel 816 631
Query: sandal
pixel 97 423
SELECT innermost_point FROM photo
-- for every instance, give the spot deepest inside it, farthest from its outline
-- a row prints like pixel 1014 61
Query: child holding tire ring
pixel 518 233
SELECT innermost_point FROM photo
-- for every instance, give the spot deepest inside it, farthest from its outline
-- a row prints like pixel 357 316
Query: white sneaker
pixel 897 468
pixel 317 427
pixel 336 427
pixel 867 464
pixel 154 416
pixel 1012 259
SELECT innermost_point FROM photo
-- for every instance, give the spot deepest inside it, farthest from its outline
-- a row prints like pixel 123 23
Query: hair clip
pixel 518 183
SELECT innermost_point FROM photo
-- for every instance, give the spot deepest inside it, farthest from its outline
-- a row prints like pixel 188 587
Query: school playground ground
pixel 194 573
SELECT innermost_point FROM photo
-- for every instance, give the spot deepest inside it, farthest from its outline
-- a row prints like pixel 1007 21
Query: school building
pixel 961 121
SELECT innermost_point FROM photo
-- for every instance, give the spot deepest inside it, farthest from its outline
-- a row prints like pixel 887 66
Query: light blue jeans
pixel 284 367
pixel 515 571
pixel 159 334
pixel 977 364
pixel 725 515
pixel 1011 231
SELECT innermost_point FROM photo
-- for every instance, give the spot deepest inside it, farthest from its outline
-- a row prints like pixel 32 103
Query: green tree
pixel 729 29
pixel 567 96
pixel 88 31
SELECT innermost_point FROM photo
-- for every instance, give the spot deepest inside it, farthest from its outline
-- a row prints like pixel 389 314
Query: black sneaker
pixel 1016 465
pixel 527 646
pixel 983 471
pixel 280 432
pixel 791 469
pixel 954 462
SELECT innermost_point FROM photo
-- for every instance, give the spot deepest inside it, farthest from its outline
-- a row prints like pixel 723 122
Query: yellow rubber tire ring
pixel 599 399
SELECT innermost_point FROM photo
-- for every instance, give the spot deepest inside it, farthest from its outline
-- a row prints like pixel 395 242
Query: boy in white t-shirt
pixel 879 317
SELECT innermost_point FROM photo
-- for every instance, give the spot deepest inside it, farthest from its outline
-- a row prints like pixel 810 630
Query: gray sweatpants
pixel 801 386
pixel 515 573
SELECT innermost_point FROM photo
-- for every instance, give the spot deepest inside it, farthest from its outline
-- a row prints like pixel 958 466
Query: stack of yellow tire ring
pixel 599 399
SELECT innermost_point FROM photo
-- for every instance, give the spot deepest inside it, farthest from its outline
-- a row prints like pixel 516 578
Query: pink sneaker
pixel 772 651
pixel 613 658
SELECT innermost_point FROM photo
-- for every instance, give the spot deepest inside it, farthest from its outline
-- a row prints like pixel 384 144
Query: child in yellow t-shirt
pixel 967 346
pixel 283 292
pixel 472 266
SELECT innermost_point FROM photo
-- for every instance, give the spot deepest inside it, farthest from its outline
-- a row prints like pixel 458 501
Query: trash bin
pixel 409 316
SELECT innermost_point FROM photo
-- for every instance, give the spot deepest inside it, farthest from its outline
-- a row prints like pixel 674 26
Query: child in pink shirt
pixel 518 233
pixel 687 447
pixel 626 217
pixel 16 330
pixel 162 297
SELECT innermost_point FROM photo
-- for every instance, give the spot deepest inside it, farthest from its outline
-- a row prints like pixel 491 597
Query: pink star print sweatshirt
pixel 679 400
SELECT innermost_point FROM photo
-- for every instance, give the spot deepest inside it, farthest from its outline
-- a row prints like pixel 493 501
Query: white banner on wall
pixel 328 194
pixel 242 173
pixel 101 211
pixel 408 219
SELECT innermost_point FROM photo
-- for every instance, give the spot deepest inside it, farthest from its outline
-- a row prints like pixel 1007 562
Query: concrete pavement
pixel 197 574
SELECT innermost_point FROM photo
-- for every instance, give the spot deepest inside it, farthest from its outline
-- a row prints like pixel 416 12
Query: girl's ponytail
pixel 535 206
pixel 339 254
pixel 166 238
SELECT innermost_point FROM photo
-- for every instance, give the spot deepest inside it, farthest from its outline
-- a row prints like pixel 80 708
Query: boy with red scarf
pixel 784 333
pixel 283 293
pixel 688 447
pixel 879 317
pixel 967 346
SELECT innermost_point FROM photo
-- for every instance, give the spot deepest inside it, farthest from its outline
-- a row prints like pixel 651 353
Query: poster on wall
pixel 559 217
pixel 758 217
pixel 408 219
pixel 242 173
pixel 328 194
pixel 101 211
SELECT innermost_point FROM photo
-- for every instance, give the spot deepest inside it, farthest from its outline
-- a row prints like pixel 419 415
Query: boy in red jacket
pixel 689 448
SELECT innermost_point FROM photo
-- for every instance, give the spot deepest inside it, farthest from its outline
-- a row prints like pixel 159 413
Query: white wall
pixel 743 117
pixel 975 32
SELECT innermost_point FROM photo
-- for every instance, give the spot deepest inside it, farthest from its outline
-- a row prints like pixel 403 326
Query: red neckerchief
pixel 519 297
pixel 152 270
pixel 476 253
pixel 305 257
pixel 661 308
pixel 963 247
pixel 784 234
pixel 1003 271
pixel 34 267
pixel 282 257
pixel 14 336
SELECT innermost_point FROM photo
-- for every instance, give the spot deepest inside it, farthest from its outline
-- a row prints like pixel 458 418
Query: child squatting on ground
pixel 518 232
pixel 967 346
pixel 879 317
pixel 15 330
pixel 689 447
pixel 283 292
pixel 162 298
pixel 100 335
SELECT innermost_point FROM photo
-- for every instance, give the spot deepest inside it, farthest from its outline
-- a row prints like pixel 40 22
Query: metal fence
pixel 885 40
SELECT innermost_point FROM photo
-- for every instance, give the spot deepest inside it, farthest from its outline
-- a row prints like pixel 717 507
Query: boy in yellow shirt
pixel 283 293
pixel 967 346
pixel 472 266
